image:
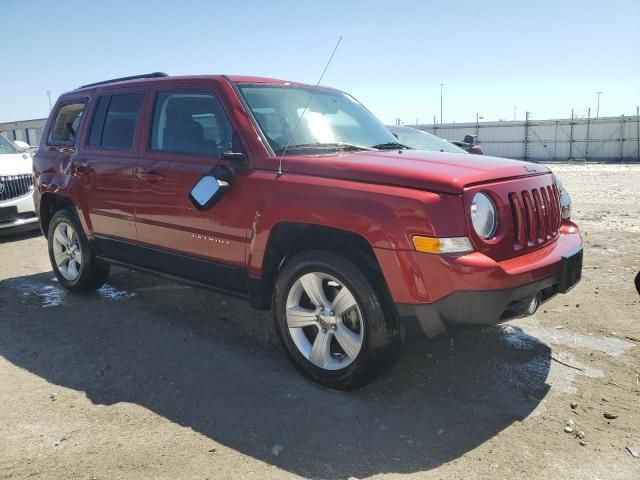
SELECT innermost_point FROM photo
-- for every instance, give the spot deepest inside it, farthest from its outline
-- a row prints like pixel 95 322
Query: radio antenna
pixel 306 107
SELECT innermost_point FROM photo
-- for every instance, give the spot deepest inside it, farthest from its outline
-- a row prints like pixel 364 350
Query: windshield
pixel 420 140
pixel 6 146
pixel 332 120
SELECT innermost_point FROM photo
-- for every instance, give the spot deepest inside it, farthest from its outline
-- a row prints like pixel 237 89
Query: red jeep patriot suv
pixel 297 199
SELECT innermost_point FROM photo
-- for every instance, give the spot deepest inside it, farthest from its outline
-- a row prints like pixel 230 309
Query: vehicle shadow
pixel 20 235
pixel 210 363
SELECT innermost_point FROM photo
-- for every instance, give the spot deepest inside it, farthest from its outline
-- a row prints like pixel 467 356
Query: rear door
pixel 108 160
pixel 189 131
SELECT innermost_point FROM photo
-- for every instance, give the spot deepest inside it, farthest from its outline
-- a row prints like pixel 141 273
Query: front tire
pixel 331 320
pixel 72 259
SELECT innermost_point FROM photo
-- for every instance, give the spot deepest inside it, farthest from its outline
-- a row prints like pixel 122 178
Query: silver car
pixel 420 140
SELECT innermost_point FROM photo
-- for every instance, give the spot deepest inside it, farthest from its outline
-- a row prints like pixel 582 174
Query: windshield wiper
pixel 390 146
pixel 323 146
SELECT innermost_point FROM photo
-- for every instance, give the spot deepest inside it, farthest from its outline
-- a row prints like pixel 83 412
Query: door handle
pixel 149 175
pixel 62 149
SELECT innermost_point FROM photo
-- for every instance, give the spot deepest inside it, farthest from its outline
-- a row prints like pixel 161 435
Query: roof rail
pixel 122 79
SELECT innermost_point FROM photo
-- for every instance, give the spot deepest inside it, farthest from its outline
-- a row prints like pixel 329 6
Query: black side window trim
pixel 50 143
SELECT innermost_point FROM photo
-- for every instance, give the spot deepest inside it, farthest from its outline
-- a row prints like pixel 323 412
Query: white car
pixel 17 212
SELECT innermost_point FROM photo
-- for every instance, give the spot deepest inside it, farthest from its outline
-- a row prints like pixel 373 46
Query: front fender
pixel 385 216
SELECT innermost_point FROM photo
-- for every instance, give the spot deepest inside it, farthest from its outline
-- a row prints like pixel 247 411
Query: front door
pixel 189 132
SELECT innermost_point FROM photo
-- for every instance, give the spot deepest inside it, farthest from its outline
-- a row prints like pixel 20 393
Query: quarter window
pixel 192 123
pixel 67 124
pixel 114 123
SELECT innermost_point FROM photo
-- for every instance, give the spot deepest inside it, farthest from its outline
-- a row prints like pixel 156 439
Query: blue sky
pixel 542 56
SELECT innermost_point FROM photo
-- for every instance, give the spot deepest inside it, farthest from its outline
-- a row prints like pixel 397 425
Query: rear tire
pixel 72 259
pixel 331 321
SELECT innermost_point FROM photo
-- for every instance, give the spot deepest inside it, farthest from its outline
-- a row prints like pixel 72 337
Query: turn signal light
pixel 442 245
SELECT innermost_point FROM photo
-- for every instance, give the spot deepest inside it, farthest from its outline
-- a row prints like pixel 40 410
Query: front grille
pixel 14 186
pixel 536 216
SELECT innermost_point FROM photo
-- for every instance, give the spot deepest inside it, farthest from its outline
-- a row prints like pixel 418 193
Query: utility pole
pixel 571 137
pixel 598 107
pixel 586 147
pixel 514 113
pixel 441 85
pixel 48 92
pixel 638 129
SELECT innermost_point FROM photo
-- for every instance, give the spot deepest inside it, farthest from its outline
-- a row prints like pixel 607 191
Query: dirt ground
pixel 152 379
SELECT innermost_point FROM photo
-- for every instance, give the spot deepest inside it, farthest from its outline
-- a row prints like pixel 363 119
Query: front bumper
pixel 474 289
pixel 18 214
pixel 479 307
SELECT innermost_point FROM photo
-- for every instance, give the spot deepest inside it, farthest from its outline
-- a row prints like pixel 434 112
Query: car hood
pixel 434 171
pixel 15 164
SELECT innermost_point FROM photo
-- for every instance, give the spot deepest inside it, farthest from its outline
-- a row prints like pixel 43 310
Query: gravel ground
pixel 151 379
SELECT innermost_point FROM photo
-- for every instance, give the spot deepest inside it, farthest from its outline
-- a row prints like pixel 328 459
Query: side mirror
pixel 210 189
pixel 23 147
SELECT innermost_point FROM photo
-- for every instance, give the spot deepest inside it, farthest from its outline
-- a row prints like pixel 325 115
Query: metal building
pixel 603 139
pixel 29 131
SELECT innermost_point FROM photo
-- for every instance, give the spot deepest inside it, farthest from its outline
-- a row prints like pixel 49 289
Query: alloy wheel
pixel 67 253
pixel 324 321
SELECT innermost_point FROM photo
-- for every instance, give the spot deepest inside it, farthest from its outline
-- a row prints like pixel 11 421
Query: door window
pixel 192 123
pixel 114 123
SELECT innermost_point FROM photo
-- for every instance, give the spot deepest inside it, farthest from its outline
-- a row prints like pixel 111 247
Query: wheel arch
pixel 286 239
pixel 50 203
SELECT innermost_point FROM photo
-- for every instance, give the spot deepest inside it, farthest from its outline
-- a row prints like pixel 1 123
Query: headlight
pixel 484 216
pixel 565 200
